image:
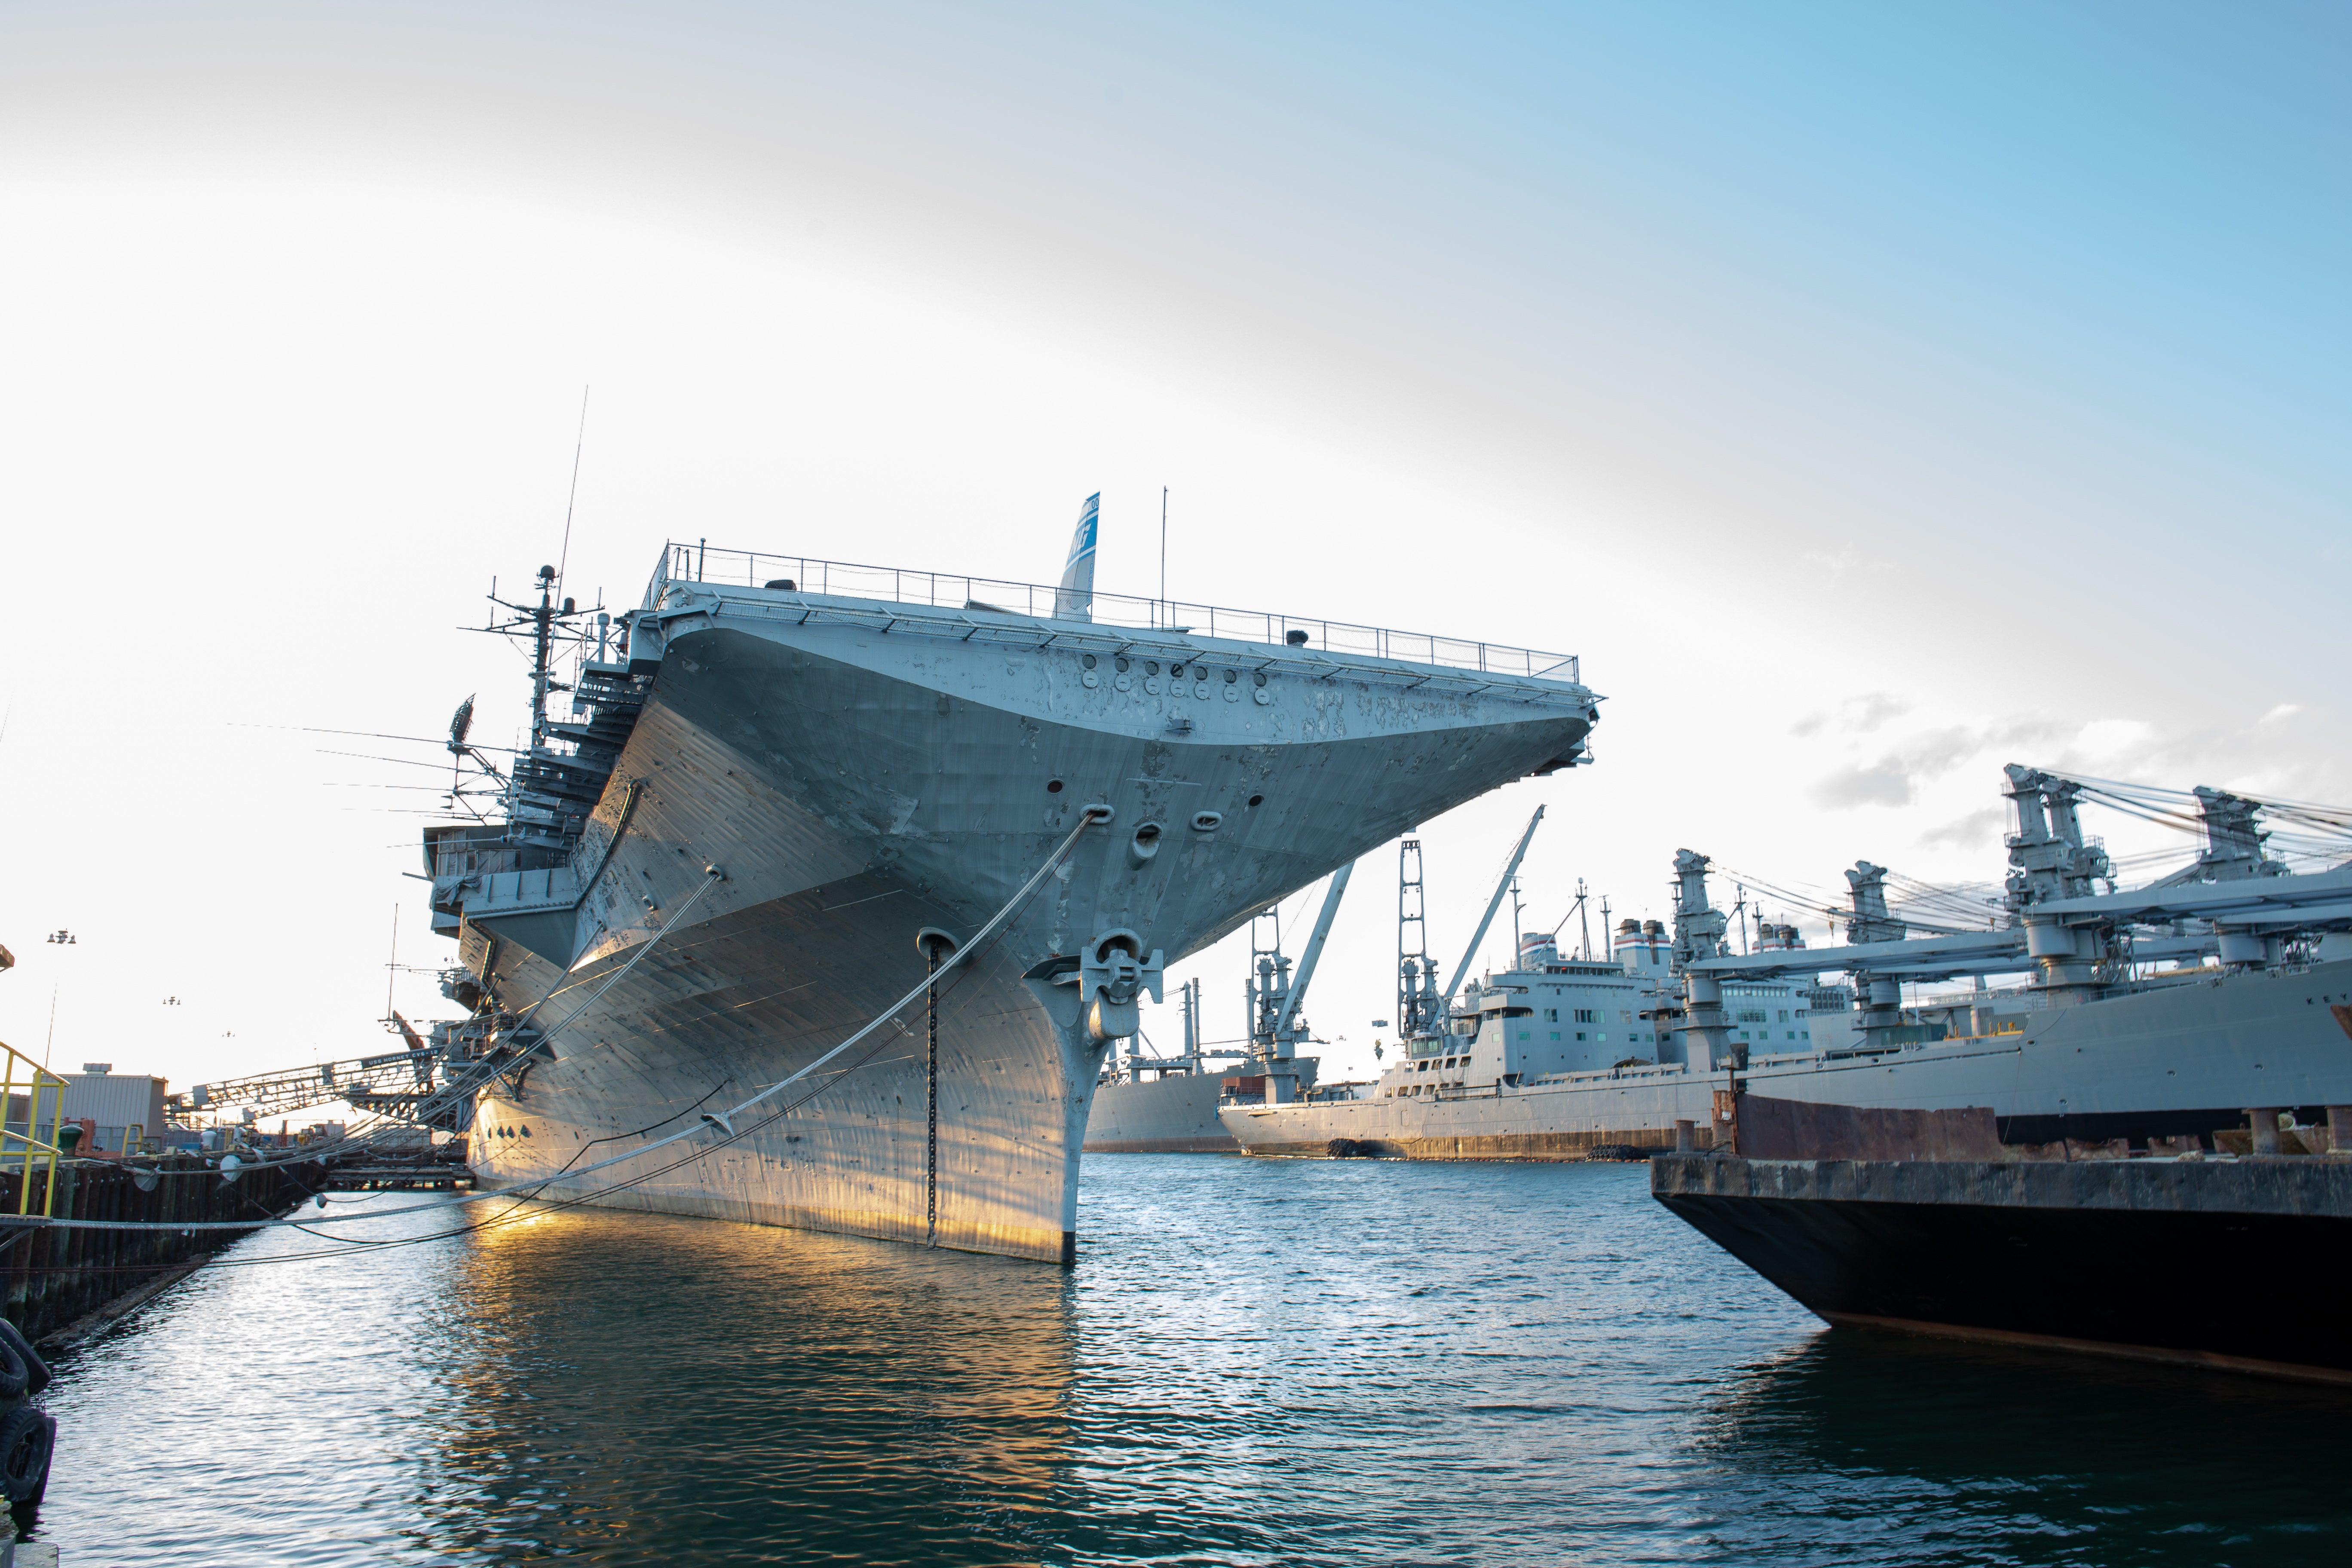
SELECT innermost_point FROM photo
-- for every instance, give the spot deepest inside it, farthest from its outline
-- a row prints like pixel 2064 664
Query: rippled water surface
pixel 1253 1363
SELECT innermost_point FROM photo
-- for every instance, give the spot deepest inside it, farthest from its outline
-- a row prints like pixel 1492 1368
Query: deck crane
pixel 1502 886
pixel 1275 995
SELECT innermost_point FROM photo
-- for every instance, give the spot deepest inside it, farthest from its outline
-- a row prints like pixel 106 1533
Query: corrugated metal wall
pixel 115 1101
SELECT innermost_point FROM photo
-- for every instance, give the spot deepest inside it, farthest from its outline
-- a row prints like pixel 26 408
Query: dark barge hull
pixel 2240 1264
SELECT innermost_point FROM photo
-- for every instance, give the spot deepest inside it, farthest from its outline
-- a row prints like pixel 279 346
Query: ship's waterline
pixel 854 787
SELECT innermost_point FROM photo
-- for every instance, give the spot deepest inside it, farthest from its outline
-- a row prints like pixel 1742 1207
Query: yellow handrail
pixel 29 1149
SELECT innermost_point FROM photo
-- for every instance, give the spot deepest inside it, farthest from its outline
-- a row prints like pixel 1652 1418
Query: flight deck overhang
pixel 694 589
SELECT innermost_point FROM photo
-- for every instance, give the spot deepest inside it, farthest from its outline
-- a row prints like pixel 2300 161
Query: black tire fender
pixel 29 1438
pixel 37 1370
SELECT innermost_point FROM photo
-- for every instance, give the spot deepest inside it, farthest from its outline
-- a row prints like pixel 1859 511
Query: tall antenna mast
pixel 542 655
pixel 1163 551
pixel 579 443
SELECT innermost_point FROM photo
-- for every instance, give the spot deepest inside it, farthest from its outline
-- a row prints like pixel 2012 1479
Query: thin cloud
pixel 1883 783
pixel 1978 831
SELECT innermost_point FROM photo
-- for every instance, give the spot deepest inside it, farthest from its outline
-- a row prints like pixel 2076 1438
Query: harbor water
pixel 1253 1363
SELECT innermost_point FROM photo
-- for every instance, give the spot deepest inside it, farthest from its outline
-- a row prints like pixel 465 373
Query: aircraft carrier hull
pixel 853 786
pixel 1173 1115
pixel 2182 1059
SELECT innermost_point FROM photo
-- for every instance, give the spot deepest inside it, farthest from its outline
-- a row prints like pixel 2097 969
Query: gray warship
pixel 789 787
pixel 2171 1011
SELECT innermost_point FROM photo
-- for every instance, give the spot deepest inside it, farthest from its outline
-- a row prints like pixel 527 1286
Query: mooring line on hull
pixel 482 1074
pixel 515 1211
pixel 712 877
pixel 527 1192
pixel 485 1074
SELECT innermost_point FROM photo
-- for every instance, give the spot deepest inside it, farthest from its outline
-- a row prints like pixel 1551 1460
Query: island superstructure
pixel 791 786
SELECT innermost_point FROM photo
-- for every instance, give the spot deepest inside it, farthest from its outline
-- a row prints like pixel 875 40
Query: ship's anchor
pixel 1112 973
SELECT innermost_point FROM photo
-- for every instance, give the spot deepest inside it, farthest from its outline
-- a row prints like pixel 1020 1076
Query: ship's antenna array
pixel 579 445
pixel 1576 911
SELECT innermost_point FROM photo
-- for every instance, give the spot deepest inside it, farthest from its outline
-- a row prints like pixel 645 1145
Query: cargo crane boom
pixel 1314 947
pixel 1462 970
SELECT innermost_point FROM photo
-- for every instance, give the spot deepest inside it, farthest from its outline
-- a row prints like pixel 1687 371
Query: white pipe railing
pixel 699 563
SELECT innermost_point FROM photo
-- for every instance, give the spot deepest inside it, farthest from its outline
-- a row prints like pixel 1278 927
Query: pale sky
pixel 1870 397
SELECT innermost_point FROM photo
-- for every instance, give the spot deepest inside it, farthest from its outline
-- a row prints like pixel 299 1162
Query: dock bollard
pixel 2339 1129
pixel 2264 1120
pixel 1685 1138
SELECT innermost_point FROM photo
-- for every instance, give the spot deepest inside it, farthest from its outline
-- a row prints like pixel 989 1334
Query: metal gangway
pixel 366 1083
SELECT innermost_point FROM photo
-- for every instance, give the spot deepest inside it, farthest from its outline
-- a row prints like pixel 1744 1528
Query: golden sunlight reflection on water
pixel 1253 1362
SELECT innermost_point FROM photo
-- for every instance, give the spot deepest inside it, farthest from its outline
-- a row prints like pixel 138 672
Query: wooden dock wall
pixel 53 1276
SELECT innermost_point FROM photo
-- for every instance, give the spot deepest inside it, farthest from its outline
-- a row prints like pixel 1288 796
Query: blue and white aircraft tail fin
pixel 1075 599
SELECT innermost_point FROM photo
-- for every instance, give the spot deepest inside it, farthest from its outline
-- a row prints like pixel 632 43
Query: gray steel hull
pixel 1175 1115
pixel 2188 1058
pixel 855 787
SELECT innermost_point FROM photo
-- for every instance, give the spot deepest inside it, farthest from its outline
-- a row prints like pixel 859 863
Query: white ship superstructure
pixel 794 785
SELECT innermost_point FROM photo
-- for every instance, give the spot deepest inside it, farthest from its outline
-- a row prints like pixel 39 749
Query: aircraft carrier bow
pixel 793 785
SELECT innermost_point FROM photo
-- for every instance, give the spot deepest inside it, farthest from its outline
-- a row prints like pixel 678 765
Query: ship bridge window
pixel 1588 1015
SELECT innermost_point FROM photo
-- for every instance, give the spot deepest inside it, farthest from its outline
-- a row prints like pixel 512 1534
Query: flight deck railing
pixel 698 562
pixel 25 1148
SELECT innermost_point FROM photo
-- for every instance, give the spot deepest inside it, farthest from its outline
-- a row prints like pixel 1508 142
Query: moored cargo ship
pixel 2160 1011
